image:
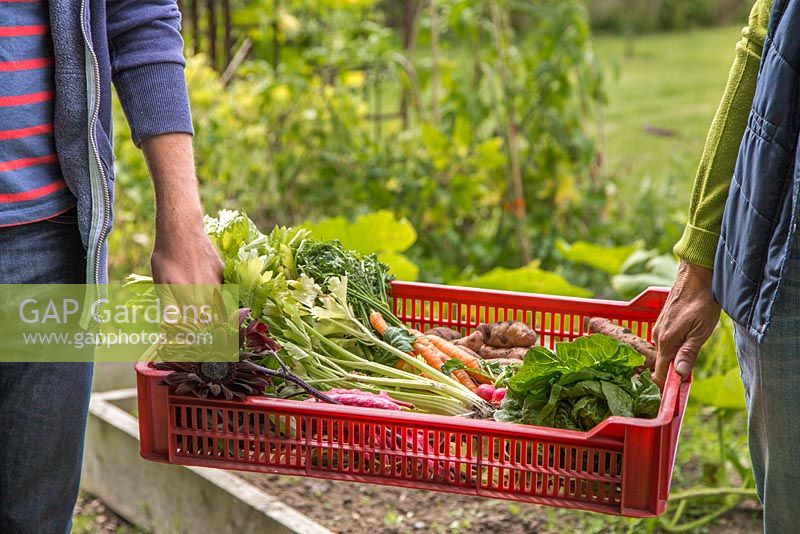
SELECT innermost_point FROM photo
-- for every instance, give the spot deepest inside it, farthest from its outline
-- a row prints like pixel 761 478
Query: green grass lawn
pixel 673 81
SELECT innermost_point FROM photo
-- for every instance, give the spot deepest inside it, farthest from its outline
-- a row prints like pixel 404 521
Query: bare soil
pixel 354 508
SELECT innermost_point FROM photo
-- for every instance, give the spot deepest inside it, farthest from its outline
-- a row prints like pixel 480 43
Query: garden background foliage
pixel 472 153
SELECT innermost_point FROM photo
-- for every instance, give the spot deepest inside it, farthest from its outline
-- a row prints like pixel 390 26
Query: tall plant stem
pixel 434 16
pixel 411 11
pixel 512 135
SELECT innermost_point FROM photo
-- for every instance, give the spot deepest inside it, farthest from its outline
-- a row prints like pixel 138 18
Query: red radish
pixel 485 391
pixel 498 395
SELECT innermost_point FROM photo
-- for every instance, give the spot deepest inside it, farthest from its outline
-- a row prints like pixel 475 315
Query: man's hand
pixel 686 322
pixel 182 253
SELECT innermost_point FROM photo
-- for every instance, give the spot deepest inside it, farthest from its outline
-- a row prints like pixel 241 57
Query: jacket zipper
pixel 101 236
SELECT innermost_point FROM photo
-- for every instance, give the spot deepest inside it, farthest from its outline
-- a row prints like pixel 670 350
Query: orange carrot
pixel 465 380
pixel 428 349
pixel 431 355
pixel 453 351
pixel 479 377
pixel 378 322
pixel 423 343
pixel 422 346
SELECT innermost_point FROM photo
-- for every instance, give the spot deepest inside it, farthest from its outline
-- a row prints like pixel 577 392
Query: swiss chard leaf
pixel 539 367
pixel 579 385
pixel 592 388
pixel 596 349
pixel 510 411
pixel 648 397
pixel 587 412
pixel 618 400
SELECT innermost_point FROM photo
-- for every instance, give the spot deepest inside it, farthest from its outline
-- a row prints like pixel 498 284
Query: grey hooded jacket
pixel 136 44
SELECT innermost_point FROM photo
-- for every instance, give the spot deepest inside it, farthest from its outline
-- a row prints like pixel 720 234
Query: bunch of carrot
pixel 437 351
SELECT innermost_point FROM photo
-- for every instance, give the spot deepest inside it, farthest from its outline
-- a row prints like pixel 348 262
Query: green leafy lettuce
pixel 579 385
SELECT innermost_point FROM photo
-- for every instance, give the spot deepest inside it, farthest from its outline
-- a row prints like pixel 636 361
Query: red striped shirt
pixel 21 163
pixel 19 31
pixel 31 185
pixel 20 133
pixel 33 193
pixel 26 64
pixel 31 98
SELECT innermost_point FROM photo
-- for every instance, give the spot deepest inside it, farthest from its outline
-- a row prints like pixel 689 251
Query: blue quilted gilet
pixel 761 211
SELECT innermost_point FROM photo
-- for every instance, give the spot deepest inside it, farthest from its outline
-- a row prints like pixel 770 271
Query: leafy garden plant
pixel 490 178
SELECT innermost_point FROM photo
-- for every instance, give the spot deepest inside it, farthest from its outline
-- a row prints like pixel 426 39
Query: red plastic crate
pixel 621 467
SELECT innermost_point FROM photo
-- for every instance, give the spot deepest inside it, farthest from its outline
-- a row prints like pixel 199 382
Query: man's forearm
pixel 182 253
pixel 171 162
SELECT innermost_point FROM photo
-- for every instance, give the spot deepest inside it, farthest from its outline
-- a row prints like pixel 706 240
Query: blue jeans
pixel 771 377
pixel 43 406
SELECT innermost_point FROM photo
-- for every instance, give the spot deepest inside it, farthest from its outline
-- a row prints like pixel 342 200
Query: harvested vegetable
pixel 453 351
pixel 457 372
pixel 356 397
pixel 316 298
pixel 470 352
pixel 333 356
pixel 479 376
pixel 368 279
pixel 508 334
pixel 321 326
pixel 429 353
pixel 228 380
pixel 504 362
pixel 237 380
pixel 579 385
pixel 599 325
pixel 418 344
pixel 473 342
pixel 492 353
pixel 397 336
pixel 378 322
pixel 465 375
pixel 485 391
pixel 428 348
pixel 498 396
pixel 465 379
pixel 443 332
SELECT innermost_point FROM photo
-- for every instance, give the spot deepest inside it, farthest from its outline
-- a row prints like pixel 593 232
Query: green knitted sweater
pixel 699 241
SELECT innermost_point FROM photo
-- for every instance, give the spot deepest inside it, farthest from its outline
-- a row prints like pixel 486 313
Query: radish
pixel 485 391
pixel 498 395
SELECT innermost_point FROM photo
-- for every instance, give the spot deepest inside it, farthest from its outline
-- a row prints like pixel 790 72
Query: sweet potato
pixel 473 342
pixel 508 334
pixel 448 334
pixel 492 353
